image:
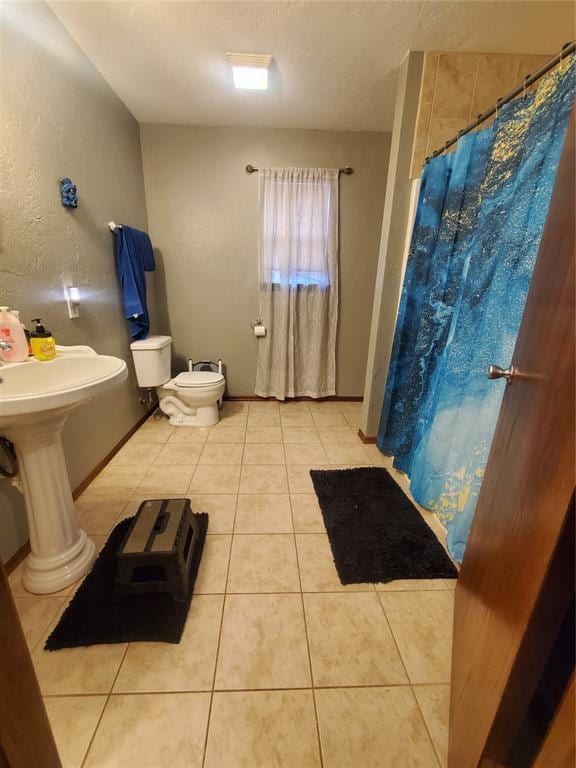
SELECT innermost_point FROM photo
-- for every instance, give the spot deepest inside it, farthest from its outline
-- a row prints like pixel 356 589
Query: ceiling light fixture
pixel 250 70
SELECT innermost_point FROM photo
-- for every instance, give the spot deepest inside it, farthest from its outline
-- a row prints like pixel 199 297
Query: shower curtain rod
pixel 347 170
pixel 567 49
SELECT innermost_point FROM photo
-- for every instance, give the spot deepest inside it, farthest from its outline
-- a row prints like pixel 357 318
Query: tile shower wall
pixel 458 86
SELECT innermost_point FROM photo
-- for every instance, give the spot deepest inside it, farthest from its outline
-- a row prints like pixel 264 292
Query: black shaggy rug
pixel 94 617
pixel 375 531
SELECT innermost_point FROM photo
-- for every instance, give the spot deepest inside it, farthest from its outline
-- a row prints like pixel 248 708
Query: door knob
pixel 496 372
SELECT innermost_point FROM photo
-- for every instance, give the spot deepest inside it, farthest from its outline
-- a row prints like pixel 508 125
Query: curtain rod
pixel 567 49
pixel 347 170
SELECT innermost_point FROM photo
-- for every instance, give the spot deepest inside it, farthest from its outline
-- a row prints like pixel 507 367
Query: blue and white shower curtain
pixel 478 227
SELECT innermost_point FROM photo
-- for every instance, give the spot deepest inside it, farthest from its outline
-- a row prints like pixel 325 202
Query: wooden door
pixel 515 584
pixel 26 740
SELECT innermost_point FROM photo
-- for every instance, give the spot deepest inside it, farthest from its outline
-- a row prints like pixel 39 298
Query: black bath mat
pixel 376 533
pixel 94 617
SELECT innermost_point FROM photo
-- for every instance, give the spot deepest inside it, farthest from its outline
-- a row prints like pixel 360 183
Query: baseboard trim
pixel 365 439
pixel 332 398
pixel 11 564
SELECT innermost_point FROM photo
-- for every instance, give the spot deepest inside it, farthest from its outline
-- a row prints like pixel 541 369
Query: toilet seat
pixel 192 379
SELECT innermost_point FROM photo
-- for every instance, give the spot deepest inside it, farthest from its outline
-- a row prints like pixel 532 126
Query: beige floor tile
pixel 299 479
pixel 329 419
pixel 263 479
pixel 350 641
pixel 186 666
pixel 221 454
pixel 100 514
pixel 227 435
pixel 262 406
pixel 189 435
pixel 233 419
pixel 294 406
pixel 350 406
pixel 272 729
pixel 138 454
pixel 147 731
pixel 263 513
pixel 298 454
pixel 36 613
pixel 352 420
pixel 317 570
pixel 166 479
pixel 300 435
pixel 73 720
pixel 208 479
pixel 338 435
pixel 434 701
pixel 263 435
pixel 422 626
pixel 325 406
pixel 376 727
pixel 451 583
pixel 234 406
pixel 263 643
pixel 116 480
pixel 263 562
pixel 264 419
pixel 259 454
pixel 221 509
pixel 176 454
pixel 296 419
pixel 306 513
pixel 411 585
pixel 152 433
pixel 376 457
pixel 343 453
pixel 77 670
pixel 211 577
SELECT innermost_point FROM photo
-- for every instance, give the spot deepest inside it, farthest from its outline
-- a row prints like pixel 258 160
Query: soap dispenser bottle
pixel 42 342
pixel 12 333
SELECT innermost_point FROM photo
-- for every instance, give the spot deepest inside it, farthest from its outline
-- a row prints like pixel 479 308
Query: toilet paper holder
pixel 258 328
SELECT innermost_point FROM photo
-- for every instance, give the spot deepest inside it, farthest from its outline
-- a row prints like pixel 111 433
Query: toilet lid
pixel 198 378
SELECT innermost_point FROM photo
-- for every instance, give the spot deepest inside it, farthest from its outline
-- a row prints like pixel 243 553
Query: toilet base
pixel 200 416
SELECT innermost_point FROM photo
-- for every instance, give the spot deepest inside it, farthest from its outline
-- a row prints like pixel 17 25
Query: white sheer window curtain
pixel 298 282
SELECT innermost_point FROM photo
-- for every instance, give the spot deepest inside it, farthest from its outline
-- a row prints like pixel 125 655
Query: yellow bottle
pixel 42 343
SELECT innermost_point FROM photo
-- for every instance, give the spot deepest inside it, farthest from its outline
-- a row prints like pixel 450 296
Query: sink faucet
pixel 4 345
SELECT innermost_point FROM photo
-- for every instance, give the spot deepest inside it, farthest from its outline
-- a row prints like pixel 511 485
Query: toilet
pixel 189 399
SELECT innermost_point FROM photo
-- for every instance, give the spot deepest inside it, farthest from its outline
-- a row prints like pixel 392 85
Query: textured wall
pixel 61 119
pixel 456 87
pixel 204 218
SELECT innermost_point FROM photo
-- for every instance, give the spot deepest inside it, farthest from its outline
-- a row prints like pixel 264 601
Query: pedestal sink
pixel 35 400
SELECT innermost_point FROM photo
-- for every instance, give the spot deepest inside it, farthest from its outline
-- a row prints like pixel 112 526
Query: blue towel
pixel 134 256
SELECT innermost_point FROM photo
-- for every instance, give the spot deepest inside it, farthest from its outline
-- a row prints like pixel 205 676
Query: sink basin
pixel 34 386
pixel 35 400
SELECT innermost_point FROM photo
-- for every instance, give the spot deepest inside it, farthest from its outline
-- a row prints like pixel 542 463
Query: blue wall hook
pixel 68 193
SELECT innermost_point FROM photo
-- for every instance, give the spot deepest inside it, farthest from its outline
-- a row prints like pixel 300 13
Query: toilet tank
pixel 152 360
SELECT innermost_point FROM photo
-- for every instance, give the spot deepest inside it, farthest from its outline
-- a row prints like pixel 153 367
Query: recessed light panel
pixel 250 70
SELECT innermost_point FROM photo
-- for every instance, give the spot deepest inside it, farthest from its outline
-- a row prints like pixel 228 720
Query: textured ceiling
pixel 335 63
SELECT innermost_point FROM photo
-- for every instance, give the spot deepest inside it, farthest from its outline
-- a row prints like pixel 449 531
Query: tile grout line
pixel 222 616
pixel 306 634
pixel 411 685
pixel 89 747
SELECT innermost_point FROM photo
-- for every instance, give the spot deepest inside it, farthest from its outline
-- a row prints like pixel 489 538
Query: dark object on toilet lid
pixel 198 379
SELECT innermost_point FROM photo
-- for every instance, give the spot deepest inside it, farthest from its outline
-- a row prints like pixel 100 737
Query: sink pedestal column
pixel 61 551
